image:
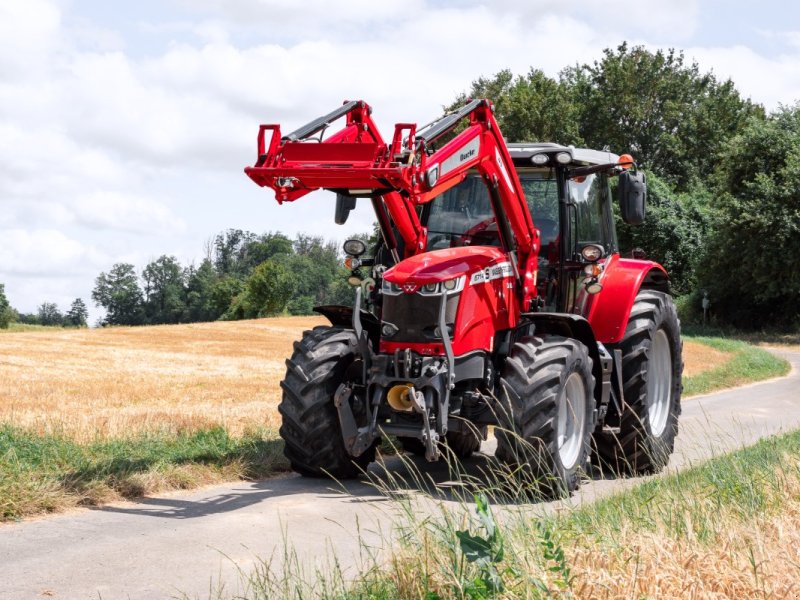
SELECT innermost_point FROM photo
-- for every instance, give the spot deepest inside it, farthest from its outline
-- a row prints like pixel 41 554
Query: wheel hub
pixel 659 383
pixel 571 420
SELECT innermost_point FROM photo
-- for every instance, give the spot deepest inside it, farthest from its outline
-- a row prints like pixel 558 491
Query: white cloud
pixel 126 212
pixel 45 252
pixel 29 34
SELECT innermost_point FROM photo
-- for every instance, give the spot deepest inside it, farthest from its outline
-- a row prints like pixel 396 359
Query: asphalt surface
pixel 194 544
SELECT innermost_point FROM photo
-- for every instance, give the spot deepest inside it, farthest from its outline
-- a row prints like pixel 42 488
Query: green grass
pixel 43 473
pixel 749 364
pixel 12 327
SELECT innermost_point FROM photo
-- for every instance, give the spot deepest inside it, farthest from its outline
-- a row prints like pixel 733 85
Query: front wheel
pixel 323 359
pixel 652 366
pixel 547 410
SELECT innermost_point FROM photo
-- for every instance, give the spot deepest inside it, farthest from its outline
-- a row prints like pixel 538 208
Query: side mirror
pixel 632 197
pixel 344 204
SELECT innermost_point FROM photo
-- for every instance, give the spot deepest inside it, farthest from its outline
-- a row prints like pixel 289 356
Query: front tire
pixel 652 365
pixel 323 359
pixel 547 411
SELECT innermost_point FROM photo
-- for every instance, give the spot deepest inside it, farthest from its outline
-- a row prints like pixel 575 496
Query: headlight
pixel 564 158
pixel 431 288
pixel 355 247
pixel 592 252
pixel 540 159
pixel 392 289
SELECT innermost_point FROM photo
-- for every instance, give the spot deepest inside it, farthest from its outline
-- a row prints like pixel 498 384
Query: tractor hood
pixel 441 265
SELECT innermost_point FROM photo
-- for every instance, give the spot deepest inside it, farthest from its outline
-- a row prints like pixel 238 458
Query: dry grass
pixel 118 381
pixel 753 560
pixel 699 358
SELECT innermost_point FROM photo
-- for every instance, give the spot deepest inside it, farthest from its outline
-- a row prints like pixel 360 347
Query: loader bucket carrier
pixel 355 161
pixel 496 296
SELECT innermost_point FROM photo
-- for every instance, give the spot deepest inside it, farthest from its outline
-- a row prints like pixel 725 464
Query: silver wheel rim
pixel 571 420
pixel 659 383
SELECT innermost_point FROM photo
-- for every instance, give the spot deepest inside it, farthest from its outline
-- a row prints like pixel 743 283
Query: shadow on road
pixel 389 478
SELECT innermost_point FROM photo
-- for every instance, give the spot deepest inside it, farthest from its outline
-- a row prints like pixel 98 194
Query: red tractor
pixel 497 296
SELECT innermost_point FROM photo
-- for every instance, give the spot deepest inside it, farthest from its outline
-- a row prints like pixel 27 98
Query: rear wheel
pixel 547 410
pixel 323 359
pixel 652 366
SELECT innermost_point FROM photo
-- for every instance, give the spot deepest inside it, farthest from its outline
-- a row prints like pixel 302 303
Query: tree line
pixel 244 275
pixel 47 314
pixel 723 213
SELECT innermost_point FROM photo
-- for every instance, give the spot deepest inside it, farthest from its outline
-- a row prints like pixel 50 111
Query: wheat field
pixel 102 383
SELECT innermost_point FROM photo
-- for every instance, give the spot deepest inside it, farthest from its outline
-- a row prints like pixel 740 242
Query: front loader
pixel 497 297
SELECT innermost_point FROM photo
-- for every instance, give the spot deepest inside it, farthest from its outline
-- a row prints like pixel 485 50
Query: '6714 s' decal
pixel 498 271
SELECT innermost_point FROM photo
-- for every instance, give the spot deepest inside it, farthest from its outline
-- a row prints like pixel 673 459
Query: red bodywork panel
pixel 608 311
pixel 488 300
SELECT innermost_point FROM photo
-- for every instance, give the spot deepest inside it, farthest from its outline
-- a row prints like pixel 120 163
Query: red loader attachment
pixel 408 172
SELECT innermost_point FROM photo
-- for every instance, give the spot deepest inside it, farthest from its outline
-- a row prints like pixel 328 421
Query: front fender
pixel 622 279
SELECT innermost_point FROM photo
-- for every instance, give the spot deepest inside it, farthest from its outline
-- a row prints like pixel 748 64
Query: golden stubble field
pixel 102 383
pixel 98 383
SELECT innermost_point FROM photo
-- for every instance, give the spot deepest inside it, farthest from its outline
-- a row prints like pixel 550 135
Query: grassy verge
pixel 749 363
pixel 44 473
pixel 727 529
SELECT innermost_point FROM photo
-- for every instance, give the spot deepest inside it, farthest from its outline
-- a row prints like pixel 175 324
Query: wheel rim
pixel 659 383
pixel 571 420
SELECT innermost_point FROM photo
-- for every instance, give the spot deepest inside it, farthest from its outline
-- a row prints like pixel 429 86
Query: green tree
pixel 672 117
pixel 529 108
pixel 673 233
pixel 164 290
pixel 119 294
pixel 6 312
pixel 78 314
pixel 225 290
pixel 200 303
pixel 266 292
pixel 50 315
pixel 750 269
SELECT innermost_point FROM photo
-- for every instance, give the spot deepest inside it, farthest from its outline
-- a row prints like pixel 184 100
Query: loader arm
pixel 408 172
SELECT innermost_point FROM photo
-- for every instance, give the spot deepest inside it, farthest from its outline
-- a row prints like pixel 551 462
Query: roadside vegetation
pixel 729 528
pixel 93 415
pixel 729 363
pixel 46 473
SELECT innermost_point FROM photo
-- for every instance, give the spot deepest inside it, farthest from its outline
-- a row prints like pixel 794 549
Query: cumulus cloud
pixel 45 252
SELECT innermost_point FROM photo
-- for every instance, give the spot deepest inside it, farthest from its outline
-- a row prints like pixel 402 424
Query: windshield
pixel 462 216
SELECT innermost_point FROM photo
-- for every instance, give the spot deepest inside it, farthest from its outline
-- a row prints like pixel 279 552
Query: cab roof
pixel 522 152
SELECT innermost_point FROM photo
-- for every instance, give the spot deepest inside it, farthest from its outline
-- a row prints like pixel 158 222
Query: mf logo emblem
pixel 409 287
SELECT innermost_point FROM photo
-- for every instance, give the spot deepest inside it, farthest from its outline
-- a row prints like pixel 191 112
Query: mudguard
pixel 609 310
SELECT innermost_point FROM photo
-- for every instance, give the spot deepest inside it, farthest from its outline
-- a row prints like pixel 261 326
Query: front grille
pixel 417 316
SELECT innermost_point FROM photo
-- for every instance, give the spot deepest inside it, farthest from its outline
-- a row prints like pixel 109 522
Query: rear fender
pixel 608 311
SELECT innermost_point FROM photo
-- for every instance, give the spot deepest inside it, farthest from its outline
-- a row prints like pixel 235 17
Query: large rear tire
pixel 547 411
pixel 652 365
pixel 322 360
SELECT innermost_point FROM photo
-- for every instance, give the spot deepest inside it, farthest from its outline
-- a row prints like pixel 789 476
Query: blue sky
pixel 124 127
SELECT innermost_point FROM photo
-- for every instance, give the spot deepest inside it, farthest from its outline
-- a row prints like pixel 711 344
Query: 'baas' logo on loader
pixel 409 287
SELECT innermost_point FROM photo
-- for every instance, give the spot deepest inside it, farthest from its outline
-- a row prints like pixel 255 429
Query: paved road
pixel 162 547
